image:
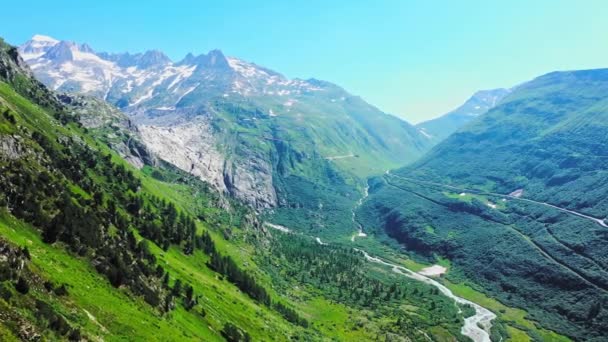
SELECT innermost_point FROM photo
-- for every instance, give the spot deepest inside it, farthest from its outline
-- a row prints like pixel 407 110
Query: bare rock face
pixel 10 147
pixel 190 147
pixel 251 181
pixel 112 126
pixel 193 148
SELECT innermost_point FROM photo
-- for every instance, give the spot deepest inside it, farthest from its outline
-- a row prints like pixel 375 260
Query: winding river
pixel 476 327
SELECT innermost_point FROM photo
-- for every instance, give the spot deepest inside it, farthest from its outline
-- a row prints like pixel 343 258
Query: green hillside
pixel 548 140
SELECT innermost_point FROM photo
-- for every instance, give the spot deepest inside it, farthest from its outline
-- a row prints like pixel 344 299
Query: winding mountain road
pixel 479 192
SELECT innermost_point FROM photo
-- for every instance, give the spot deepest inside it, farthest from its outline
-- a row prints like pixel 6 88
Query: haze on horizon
pixel 414 60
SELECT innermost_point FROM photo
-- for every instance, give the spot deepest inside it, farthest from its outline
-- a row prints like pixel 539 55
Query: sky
pixel 413 59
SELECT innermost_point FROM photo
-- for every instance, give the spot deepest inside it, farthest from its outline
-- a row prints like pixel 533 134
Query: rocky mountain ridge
pixel 237 125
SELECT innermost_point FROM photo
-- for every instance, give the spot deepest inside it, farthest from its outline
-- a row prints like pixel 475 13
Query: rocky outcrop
pixel 193 148
pixel 251 180
pixel 110 125
pixel 11 147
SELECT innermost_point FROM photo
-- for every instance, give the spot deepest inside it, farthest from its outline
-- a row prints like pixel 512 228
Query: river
pixel 477 327
pixel 471 328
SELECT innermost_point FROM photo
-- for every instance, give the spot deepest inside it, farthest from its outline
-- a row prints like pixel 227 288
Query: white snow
pixel 43 38
pixel 183 72
pixel 423 132
pixel 188 91
pixel 146 96
pixel 30 56
pixel 91 58
pixel 90 74
pixel 245 69
pixel 36 47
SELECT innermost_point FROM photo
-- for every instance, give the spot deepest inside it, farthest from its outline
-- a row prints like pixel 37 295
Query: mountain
pixel 482 101
pixel 517 201
pixel 94 248
pixel 110 125
pixel 280 144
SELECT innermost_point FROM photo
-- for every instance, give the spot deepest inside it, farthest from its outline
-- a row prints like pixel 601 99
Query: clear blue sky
pixel 415 59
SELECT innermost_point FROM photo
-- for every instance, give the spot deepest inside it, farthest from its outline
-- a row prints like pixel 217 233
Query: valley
pixel 145 197
pixel 117 252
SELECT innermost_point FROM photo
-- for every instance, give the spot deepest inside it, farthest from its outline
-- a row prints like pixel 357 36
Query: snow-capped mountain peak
pixel 147 79
pixel 37 46
pixel 43 38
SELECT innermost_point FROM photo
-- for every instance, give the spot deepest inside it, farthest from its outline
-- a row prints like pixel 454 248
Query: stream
pixel 360 232
pixel 471 328
pixel 477 327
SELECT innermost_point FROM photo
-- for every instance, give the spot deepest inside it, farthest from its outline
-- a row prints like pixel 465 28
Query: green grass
pixel 114 309
pixel 335 319
pixel 516 335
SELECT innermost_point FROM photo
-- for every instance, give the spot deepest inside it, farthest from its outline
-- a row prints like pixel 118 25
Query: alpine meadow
pixel 149 193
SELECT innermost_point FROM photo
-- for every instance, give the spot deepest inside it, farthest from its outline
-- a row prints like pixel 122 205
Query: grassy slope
pixel 114 308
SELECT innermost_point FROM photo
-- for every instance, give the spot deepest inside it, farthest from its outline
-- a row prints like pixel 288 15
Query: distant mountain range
pixel 478 104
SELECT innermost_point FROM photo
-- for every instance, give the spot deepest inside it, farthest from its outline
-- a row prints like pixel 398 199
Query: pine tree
pixel 22 286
